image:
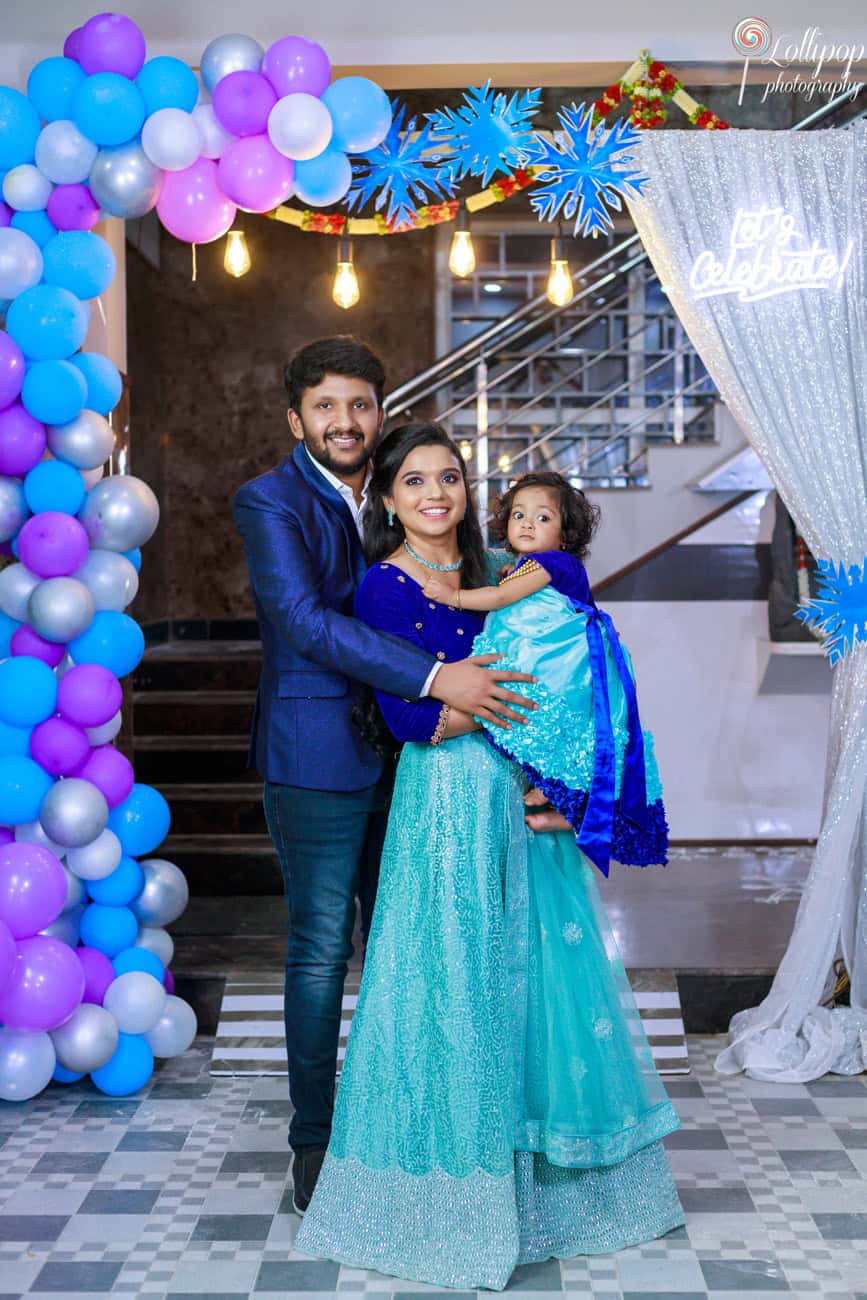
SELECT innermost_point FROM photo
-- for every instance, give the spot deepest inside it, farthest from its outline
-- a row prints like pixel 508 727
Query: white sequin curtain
pixel 793 370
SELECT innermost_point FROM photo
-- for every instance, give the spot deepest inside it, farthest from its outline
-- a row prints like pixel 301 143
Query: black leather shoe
pixel 306 1165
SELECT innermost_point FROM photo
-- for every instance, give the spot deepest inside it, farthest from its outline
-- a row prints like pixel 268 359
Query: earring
pixel 390 517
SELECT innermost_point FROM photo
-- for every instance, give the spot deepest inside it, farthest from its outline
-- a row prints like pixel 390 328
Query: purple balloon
pixel 27 642
pixel 111 43
pixel 169 981
pixel 110 771
pixel 72 207
pixel 22 441
pixel 254 175
pixel 242 102
pixel 192 207
pixel 7 835
pixel 53 544
pixel 8 953
pixel 46 985
pixel 98 974
pixel 5 214
pixel 12 369
pixel 294 64
pixel 32 888
pixel 60 747
pixel 72 44
pixel 89 695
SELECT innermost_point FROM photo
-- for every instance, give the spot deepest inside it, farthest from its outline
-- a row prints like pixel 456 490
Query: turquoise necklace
pixel 428 564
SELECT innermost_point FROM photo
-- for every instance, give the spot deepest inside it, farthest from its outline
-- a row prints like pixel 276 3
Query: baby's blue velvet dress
pixel 498 1103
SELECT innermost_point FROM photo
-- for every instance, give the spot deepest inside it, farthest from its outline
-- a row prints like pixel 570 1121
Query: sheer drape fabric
pixel 792 368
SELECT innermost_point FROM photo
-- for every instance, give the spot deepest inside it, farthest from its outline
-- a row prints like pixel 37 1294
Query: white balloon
pixel 32 833
pixel 16 586
pixel 158 941
pixel 96 860
pixel 110 578
pixel 20 262
pixel 136 1000
pixel 299 126
pixel 215 138
pixel 91 476
pixel 171 139
pixel 175 1030
pixel 63 154
pixel 26 189
pixel 27 1063
pixel 107 732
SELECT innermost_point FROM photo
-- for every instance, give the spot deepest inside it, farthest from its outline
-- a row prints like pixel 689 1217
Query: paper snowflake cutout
pixel 402 172
pixel 586 171
pixel 838 611
pixel 488 134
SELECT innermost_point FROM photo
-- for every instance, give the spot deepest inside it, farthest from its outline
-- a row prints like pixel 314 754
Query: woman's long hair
pixel 381 538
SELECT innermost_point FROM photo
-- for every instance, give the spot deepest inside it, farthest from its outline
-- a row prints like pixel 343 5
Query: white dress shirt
pixel 358 511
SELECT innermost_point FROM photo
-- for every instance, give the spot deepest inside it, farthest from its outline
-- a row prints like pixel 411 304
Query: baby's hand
pixel 436 589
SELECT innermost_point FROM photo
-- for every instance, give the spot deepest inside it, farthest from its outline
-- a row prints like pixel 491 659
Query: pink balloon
pixel 89 695
pixel 11 369
pixel 110 771
pixel 294 64
pixel 242 102
pixel 72 207
pixel 72 44
pixel 5 214
pixel 45 987
pixel 32 888
pixel 27 642
pixel 60 747
pixel 255 175
pixel 169 981
pixel 192 207
pixel 111 43
pixel 53 544
pixel 8 953
pixel 22 441
pixel 98 974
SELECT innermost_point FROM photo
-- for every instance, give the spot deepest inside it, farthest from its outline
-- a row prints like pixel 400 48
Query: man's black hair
pixel 342 354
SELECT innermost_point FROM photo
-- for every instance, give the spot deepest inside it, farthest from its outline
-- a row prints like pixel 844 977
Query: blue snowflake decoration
pixel 585 171
pixel 489 133
pixel 838 611
pixel 402 172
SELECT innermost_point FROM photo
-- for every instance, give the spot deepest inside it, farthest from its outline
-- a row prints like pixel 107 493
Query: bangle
pixel 439 731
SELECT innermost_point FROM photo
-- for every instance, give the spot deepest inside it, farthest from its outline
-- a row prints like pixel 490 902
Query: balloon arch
pixel 85 984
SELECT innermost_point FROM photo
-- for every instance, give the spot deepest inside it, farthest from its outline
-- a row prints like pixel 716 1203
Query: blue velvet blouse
pixel 392 601
pixel 567 574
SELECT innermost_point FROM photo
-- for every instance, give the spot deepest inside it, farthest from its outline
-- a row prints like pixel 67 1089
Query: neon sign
pixel 767 255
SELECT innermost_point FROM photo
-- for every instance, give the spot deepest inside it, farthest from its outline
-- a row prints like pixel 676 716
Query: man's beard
pixel 322 455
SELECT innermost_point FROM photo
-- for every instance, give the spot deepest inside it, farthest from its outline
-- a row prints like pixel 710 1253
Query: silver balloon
pixel 27 1063
pixel 110 578
pixel 85 442
pixel 16 584
pixel 165 893
pixel 157 941
pixel 120 513
pixel 87 1040
pixel 124 181
pixel 96 860
pixel 73 812
pixel 60 609
pixel 76 890
pixel 13 507
pixel 107 732
pixel 66 927
pixel 136 1000
pixel 230 53
pixel 32 833
pixel 175 1030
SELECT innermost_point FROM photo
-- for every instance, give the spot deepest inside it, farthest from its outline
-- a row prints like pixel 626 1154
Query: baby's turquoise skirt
pixel 498 1103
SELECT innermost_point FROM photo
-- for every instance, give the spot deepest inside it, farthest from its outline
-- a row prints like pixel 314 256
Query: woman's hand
pixel 436 589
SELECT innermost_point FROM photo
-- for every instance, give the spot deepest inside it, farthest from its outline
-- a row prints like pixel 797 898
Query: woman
pixel 498 1103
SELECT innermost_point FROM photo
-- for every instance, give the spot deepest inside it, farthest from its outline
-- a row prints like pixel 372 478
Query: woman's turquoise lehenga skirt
pixel 498 1103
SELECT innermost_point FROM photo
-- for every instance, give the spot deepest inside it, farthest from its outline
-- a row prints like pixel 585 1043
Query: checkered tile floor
pixel 181 1191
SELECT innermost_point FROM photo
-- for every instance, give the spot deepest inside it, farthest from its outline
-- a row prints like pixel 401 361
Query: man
pixel 325 791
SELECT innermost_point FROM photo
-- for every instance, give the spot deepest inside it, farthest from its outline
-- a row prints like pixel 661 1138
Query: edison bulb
pixel 345 292
pixel 559 290
pixel 462 255
pixel 236 259
pixel 466 449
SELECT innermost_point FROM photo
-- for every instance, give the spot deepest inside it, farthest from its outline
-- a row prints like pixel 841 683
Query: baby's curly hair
pixel 579 517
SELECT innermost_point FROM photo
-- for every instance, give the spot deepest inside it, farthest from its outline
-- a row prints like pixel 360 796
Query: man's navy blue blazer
pixel 306 562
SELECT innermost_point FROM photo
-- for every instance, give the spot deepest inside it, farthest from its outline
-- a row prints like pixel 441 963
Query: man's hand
pixel 470 687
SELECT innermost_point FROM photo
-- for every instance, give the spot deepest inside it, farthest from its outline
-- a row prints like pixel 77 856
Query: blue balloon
pixel 123 885
pixel 360 113
pixel 8 628
pixel 28 691
pixel 48 323
pixel 113 640
pixel 23 786
pixel 108 108
pixel 128 1070
pixel 134 558
pixel 110 929
pixel 51 86
pixel 54 392
pixel 139 959
pixel 37 225
pixel 54 485
pixel 80 261
pixel 19 128
pixel 61 1075
pixel 323 180
pixel 104 384
pixel 141 822
pixel 15 741
pixel 167 83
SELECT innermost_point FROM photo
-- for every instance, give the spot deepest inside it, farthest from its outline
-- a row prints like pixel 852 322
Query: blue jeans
pixel 329 844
